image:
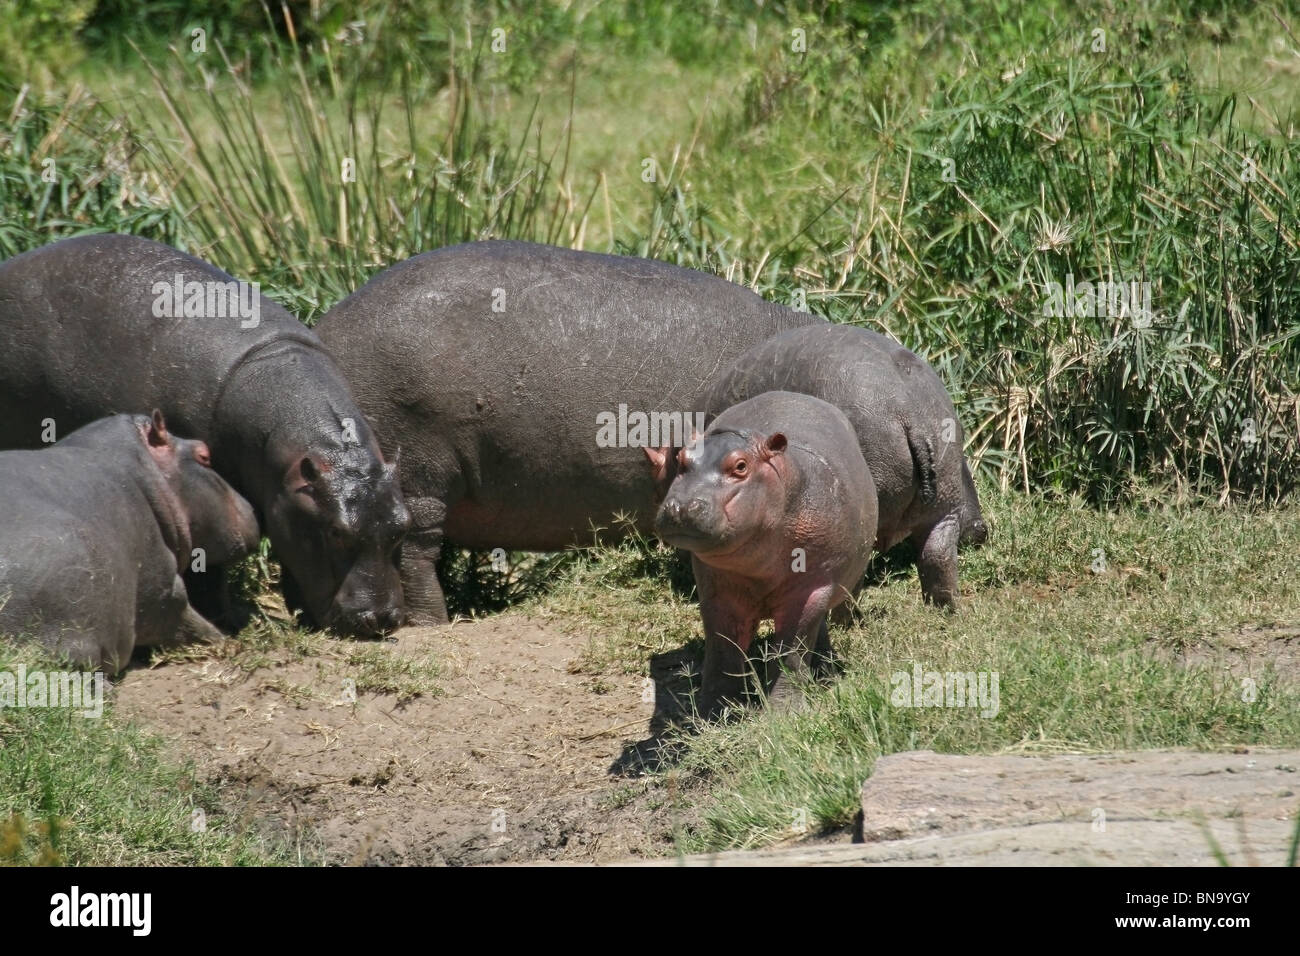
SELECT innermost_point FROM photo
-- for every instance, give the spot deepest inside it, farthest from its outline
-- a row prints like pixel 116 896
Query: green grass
pixel 1087 661
pixel 85 791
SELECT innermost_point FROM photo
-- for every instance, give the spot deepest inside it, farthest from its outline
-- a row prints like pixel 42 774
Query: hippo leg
pixel 728 631
pixel 425 602
pixel 842 614
pixel 823 661
pixel 801 633
pixel 937 561
pixel 194 628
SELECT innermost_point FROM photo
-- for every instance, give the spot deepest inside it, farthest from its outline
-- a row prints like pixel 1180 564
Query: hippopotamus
pixel 907 428
pixel 777 507
pixel 520 381
pixel 95 325
pixel 97 531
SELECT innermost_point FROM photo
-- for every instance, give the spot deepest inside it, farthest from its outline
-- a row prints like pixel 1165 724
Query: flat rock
pixel 1124 843
pixel 923 793
pixel 1146 808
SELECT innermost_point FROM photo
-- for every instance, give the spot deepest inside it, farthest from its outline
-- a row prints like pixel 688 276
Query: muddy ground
pixel 509 762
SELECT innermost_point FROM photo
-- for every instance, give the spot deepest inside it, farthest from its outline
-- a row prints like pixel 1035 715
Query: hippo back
pixel 495 366
pixel 64 359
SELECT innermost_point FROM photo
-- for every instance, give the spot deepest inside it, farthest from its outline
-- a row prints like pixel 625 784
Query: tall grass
pixel 65 170
pixel 351 178
pixel 966 204
pixel 938 205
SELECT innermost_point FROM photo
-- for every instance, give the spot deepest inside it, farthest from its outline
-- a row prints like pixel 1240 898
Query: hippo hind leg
pixel 824 664
pixel 937 561
pixel 800 650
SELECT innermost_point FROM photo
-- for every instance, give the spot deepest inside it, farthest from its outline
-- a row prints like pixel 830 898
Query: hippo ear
pixel 775 443
pixel 302 476
pixel 156 435
pixel 662 468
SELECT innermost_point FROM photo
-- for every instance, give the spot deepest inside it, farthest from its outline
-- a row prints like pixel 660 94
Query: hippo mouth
pixel 687 539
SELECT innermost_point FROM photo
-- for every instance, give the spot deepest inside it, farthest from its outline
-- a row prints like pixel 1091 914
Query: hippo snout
pixel 688 512
pixel 370 622
pixel 685 522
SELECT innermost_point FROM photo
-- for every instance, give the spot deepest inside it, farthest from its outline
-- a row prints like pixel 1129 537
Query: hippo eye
pixel 202 457
pixel 740 468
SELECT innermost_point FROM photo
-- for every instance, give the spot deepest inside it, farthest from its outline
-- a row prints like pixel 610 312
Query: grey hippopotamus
pixel 97 531
pixel 101 324
pixel 521 380
pixel 906 425
pixel 777 506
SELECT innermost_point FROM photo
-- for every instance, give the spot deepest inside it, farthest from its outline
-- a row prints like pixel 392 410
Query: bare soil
pixel 509 762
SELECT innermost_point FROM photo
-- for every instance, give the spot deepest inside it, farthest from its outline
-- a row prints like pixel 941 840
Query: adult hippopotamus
pixel 101 324
pixel 97 531
pixel 906 425
pixel 777 506
pixel 521 381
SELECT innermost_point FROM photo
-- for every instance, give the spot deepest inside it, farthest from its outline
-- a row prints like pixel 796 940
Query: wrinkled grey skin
pixel 778 509
pixel 907 428
pixel 222 522
pixel 97 532
pixel 79 340
pixel 495 411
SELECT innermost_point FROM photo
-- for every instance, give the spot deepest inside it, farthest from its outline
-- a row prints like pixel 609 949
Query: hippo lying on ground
pixel 101 324
pixel 97 530
pixel 777 507
pixel 520 381
pixel 906 425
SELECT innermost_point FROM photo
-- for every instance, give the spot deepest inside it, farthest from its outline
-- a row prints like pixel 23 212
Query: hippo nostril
pixel 367 622
pixel 696 507
pixel 391 619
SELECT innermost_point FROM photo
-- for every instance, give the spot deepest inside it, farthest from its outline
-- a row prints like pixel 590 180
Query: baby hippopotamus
pixel 97 530
pixel 778 508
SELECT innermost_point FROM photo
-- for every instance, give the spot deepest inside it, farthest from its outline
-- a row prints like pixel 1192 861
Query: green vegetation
pixel 96 791
pixel 1124 630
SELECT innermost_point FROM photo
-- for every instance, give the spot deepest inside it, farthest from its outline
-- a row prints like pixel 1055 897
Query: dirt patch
pixel 1249 652
pixel 508 762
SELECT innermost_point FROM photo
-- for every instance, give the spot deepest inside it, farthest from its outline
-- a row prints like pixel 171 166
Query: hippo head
pixel 338 521
pixel 222 522
pixel 727 488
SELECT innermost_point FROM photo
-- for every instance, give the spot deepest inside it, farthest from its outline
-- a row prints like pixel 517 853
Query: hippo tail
pixel 974 532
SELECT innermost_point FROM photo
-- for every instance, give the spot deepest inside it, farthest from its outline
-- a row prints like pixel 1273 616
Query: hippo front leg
pixel 728 631
pixel 191 627
pixel 194 628
pixel 425 603
pixel 937 561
